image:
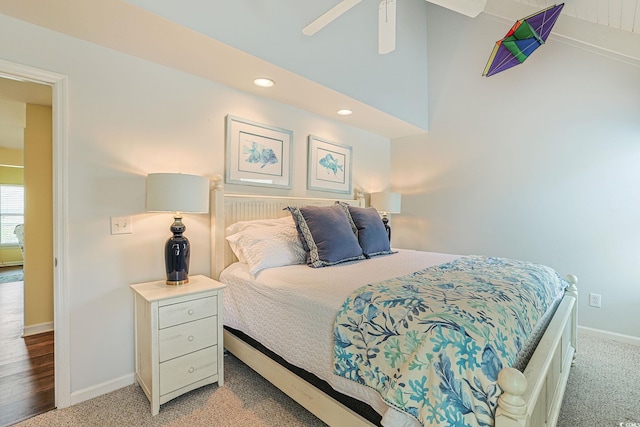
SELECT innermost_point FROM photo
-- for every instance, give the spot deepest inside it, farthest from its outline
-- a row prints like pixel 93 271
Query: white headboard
pixel 227 209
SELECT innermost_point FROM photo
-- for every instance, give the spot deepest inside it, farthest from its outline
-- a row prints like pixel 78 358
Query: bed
pixel 529 398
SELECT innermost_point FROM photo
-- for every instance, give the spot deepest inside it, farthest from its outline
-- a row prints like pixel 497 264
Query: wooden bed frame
pixel 532 398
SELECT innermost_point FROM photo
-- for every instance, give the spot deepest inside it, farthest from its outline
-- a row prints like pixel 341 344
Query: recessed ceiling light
pixel 345 112
pixel 264 82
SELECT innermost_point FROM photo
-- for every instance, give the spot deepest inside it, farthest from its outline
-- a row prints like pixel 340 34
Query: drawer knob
pixel 190 312
pixel 190 338
pixel 191 370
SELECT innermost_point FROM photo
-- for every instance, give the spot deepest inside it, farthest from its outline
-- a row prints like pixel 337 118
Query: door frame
pixel 59 89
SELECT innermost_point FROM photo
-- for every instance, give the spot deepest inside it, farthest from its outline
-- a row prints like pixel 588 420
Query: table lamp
pixel 178 193
pixel 387 203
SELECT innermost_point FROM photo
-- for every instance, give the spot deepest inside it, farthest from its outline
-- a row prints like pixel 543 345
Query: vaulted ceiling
pixel 609 27
pixel 233 42
pixel 617 14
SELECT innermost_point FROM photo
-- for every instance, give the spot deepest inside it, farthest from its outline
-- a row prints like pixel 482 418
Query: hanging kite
pixel 524 37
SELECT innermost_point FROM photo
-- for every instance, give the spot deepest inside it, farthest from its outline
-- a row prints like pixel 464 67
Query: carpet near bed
pixel 602 391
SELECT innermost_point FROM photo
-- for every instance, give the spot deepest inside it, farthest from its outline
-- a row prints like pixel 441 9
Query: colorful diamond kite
pixel 525 36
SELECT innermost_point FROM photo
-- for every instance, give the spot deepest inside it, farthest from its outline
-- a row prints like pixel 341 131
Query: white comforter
pixel 291 310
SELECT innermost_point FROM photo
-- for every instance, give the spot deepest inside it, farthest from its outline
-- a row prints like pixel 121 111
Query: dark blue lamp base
pixel 387 227
pixel 176 255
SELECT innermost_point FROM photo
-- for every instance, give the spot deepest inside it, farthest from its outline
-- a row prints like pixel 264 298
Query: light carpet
pixel 604 385
pixel 246 399
pixel 603 390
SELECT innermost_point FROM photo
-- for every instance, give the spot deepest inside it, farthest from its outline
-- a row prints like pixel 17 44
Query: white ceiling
pixel 271 30
pixel 117 24
pixel 121 26
pixel 342 56
pixel 591 24
pixel 618 14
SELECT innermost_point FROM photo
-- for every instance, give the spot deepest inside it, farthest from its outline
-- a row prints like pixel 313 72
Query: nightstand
pixel 178 337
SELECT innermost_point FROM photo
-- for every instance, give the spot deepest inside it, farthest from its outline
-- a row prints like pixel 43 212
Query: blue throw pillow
pixel 372 236
pixel 326 235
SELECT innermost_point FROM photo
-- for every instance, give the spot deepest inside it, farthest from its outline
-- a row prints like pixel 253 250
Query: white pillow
pixel 253 224
pixel 258 223
pixel 264 246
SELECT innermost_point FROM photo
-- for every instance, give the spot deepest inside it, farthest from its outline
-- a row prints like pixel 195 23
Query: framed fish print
pixel 329 166
pixel 257 154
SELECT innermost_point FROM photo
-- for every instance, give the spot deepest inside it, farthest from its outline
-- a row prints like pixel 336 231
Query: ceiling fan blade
pixel 386 26
pixel 329 16
pixel 471 8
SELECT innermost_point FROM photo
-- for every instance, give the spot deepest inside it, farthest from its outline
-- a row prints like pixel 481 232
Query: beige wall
pixel 38 237
pixel 11 157
pixel 11 175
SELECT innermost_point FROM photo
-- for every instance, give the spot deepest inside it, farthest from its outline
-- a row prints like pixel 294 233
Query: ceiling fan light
pixel 264 82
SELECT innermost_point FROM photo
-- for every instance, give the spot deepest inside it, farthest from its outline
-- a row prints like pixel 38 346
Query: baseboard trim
pixel 627 339
pixel 100 389
pixel 11 264
pixel 37 329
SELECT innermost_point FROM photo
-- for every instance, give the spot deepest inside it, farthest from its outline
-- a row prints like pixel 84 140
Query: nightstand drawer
pixel 178 332
pixel 187 311
pixel 187 338
pixel 185 370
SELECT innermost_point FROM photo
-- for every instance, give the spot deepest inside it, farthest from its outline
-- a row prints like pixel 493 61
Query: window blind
pixel 11 213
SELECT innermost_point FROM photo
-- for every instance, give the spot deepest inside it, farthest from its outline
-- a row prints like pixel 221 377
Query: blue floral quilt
pixel 432 342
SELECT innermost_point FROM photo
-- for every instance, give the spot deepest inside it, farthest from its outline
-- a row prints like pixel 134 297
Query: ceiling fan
pixel 386 22
pixel 387 18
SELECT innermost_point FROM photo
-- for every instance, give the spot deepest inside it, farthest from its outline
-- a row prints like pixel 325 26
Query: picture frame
pixel 257 154
pixel 329 166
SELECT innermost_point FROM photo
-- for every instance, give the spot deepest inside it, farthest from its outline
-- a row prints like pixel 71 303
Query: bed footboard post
pixel 573 291
pixel 512 409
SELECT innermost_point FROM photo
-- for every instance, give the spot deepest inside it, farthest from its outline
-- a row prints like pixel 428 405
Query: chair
pixel 19 232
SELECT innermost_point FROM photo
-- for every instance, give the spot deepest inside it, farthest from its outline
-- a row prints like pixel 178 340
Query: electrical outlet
pixel 121 225
pixel 595 300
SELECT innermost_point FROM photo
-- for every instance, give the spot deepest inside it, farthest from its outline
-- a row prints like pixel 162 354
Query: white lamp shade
pixel 386 202
pixel 177 192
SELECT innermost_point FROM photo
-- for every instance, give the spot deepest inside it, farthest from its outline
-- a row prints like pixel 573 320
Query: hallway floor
pixel 26 364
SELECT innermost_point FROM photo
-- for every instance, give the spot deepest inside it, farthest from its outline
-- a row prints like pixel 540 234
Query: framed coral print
pixel 329 166
pixel 257 154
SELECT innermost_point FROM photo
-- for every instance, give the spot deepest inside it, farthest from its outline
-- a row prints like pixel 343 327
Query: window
pixel 11 213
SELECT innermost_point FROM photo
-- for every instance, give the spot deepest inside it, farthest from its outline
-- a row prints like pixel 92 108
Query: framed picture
pixel 258 154
pixel 329 166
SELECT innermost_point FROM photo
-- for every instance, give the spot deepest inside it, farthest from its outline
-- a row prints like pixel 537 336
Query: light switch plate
pixel 595 300
pixel 121 225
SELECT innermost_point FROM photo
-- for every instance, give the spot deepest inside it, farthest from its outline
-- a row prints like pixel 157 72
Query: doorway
pixel 58 89
pixel 26 289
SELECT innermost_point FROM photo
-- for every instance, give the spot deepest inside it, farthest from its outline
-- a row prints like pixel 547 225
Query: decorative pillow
pixel 268 246
pixel 326 235
pixel 372 236
pixel 253 224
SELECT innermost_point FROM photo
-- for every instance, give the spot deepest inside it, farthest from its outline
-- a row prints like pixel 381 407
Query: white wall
pixel 540 162
pixel 127 118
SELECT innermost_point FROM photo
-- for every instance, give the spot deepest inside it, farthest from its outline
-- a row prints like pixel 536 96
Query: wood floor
pixel 26 364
